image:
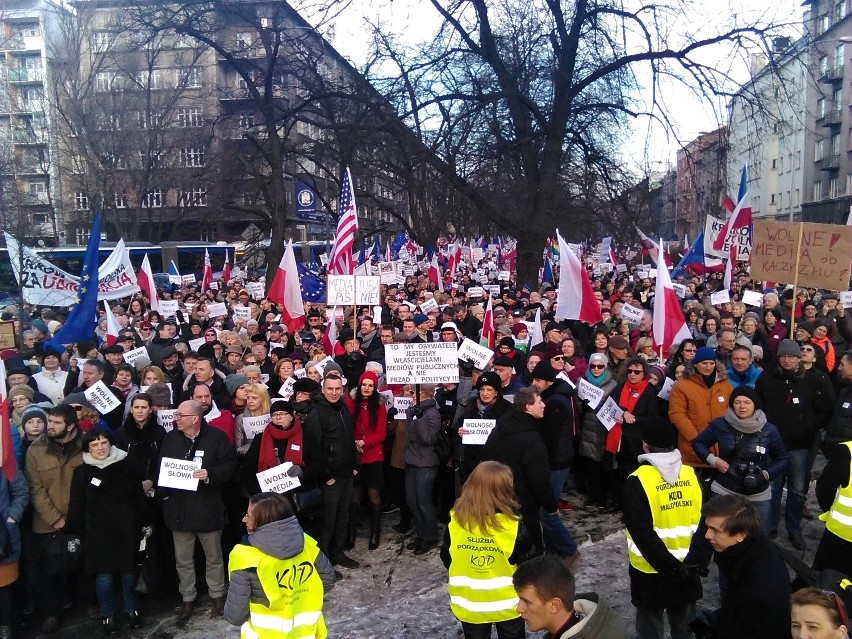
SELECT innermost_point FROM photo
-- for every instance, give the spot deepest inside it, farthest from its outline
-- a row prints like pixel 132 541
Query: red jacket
pixel 373 438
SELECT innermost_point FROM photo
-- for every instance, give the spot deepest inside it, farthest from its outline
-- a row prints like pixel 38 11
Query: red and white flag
pixel 435 274
pixel 730 265
pixel 7 451
pixel 207 275
pixel 329 338
pixel 112 327
pixel 341 262
pixel 649 247
pixel 669 325
pixel 487 336
pixel 740 216
pixel 286 293
pixel 536 335
pixel 576 295
pixel 145 280
pixel 453 261
pixel 226 268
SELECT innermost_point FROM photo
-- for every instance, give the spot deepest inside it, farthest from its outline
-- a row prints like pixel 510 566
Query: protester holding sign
pixel 254 419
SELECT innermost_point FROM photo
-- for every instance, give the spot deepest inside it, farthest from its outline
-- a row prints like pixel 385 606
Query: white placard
pixel 168 307
pixel 300 373
pixel 323 363
pixel 846 299
pixel 101 398
pixel 753 298
pixel 177 473
pixel 255 425
pixel 195 344
pixel 134 354
pixel 493 289
pixel 286 390
pixel 276 479
pixel 720 297
pixel 255 289
pixel 478 431
pixel 166 418
pixel 368 290
pixel 679 289
pixel 242 313
pixel 608 413
pixel 217 309
pixel 632 314
pixel 621 268
pixel 504 276
pixel 340 290
pixel 187 279
pixel 589 392
pixel 175 279
pixel 429 305
pixel 652 273
pixel 387 272
pixel 213 286
pixel 475 291
pixel 387 398
pixel 422 363
pixel 476 254
pixel 666 390
pixel 476 353
pixel 401 404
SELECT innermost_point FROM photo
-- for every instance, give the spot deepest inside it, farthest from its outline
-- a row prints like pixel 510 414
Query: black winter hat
pixel 746 391
pixel 489 379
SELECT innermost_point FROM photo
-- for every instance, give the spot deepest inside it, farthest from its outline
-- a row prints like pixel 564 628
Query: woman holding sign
pixel 253 419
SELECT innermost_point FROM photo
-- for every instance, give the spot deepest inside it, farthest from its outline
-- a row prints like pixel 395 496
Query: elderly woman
pixel 645 350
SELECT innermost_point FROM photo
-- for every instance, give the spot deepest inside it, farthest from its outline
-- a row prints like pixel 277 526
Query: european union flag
pixel 377 249
pixel 362 256
pixel 80 325
pixel 547 272
pixel 313 287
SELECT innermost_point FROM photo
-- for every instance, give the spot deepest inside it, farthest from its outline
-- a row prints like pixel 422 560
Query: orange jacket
pixel 692 406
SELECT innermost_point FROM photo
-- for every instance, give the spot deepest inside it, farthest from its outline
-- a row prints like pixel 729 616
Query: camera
pixel 751 474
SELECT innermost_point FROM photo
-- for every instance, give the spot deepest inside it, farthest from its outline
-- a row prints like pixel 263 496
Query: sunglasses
pixel 596 366
pixel 630 371
pixel 77 408
pixel 558 357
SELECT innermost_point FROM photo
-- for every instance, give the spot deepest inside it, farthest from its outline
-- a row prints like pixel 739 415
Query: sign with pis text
pixel 102 398
pixel 177 473
pixel 423 363
pixel 477 431
pixel 276 479
pixel 824 254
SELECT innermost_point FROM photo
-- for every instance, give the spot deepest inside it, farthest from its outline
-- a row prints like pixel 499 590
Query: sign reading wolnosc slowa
pixel 426 363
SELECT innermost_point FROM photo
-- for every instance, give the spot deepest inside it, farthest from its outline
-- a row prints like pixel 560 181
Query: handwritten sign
pixel 217 310
pixel 286 390
pixel 846 299
pixel 632 314
pixel 195 344
pixel 475 291
pixel 477 431
pixel 712 227
pixel 242 313
pixel 135 354
pixel 401 404
pixel 752 298
pixel 166 418
pixel 504 276
pixel 340 290
pixel 720 297
pixel 429 305
pixel 368 290
pixel 608 413
pixel 276 479
pixel 422 363
pixel 476 353
pixel 255 425
pixel 168 307
pixel 666 390
pixel 590 393
pixel 177 473
pixel 102 398
pixel 823 257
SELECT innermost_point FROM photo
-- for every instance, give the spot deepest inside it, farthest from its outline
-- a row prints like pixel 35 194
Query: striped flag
pixel 341 262
pixel 226 268
pixel 112 327
pixel 207 275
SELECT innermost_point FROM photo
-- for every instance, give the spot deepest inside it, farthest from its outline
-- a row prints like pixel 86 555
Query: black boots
pixel 375 526
pixel 352 526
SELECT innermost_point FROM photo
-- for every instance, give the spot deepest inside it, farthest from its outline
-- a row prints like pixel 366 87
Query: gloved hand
pixel 295 471
pixel 414 412
pixel 686 573
pixel 392 413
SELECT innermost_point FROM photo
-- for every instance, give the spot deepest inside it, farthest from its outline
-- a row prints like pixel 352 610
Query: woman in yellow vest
pixel 483 544
pixel 278 580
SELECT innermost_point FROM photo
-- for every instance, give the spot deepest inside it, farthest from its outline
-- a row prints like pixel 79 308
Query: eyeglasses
pixel 558 357
pixel 596 366
pixel 182 415
pixel 77 408
pixel 631 371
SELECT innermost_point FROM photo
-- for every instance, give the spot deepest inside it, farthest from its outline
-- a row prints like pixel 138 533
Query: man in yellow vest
pixel 834 494
pixel 662 510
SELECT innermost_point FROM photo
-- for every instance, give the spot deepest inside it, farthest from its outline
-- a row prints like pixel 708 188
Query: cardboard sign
pixel 387 273
pixel 401 404
pixel 478 431
pixel 255 425
pixel 242 313
pixel 368 290
pixel 476 353
pixel 217 309
pixel 276 479
pixel 590 393
pixel 168 307
pixel 429 305
pixel 608 413
pixel 166 418
pixel 102 398
pixel 666 390
pixel 632 314
pixel 187 279
pixel 340 290
pixel 195 344
pixel 752 298
pixel 422 363
pixel 720 297
pixel 286 390
pixel 475 291
pixel 177 473
pixel 846 299
pixel 679 289
pixel 823 256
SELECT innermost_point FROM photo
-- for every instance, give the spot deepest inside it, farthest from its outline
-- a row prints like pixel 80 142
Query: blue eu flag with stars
pixel 80 325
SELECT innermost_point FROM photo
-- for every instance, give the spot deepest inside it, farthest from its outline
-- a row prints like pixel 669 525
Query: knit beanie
pixel 746 391
pixel 233 382
pixel 21 390
pixel 789 347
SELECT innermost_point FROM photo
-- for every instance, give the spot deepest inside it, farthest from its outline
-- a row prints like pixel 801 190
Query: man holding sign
pixel 197 514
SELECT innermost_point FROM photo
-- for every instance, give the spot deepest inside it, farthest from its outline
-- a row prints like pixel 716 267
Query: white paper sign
pixel 323 363
pixel 720 297
pixel 504 276
pixel 608 413
pixel 217 309
pixel 168 307
pixel 589 392
pixel 276 479
pixel 368 290
pixel 752 298
pixel 101 398
pixel 476 353
pixel 175 279
pixel 213 286
pixel 422 363
pixel 286 390
pixel 188 279
pixel 300 373
pixel 255 289
pixel 429 305
pixel 195 344
pixel 621 268
pixel 652 273
pixel 242 313
pixel 166 418
pixel 401 404
pixel 632 314
pixel 137 353
pixel 846 299
pixel 666 390
pixel 177 473
pixel 340 290
pixel 255 425
pixel 475 291
pixel 387 272
pixel 679 289
pixel 478 431
pixel 387 398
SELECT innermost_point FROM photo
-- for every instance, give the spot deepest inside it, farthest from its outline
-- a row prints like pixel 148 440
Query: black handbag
pixel 307 500
pixel 62 553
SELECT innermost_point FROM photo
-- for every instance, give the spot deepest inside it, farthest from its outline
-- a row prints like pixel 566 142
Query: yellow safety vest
pixel 675 510
pixel 480 582
pixel 839 519
pixel 294 590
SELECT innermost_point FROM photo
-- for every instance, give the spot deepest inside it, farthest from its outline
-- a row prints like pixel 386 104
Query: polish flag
pixel 388 254
pixel 329 338
pixel 537 335
pixel 669 325
pixel 226 269
pixel 285 291
pixel 7 451
pixel 207 275
pixel 729 267
pixel 435 274
pixel 487 336
pixel 740 216
pixel 576 296
pixel 112 326
pixel 145 280
pixel 453 261
pixel 649 247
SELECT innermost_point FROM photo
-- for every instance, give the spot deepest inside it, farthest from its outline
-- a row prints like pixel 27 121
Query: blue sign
pixel 306 203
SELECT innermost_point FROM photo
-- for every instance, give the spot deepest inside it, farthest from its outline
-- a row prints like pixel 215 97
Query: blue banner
pixel 306 203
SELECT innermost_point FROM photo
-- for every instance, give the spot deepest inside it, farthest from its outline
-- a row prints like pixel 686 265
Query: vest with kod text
pixel 839 518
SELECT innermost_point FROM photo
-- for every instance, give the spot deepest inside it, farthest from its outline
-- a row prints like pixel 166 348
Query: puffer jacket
pixel 14 498
pixel 329 426
pixel 280 539
pixel 557 424
pixel 749 378
pixel 49 470
pixel 692 406
pixel 592 432
pixel 424 422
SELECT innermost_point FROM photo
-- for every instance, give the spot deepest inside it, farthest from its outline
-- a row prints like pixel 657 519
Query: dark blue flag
pixel 547 272
pixel 376 253
pixel 313 286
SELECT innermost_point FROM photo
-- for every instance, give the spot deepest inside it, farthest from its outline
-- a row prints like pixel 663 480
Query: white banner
pixel 712 228
pixel 217 309
pixel 177 473
pixel 166 417
pixel 423 363
pixel 276 479
pixel 48 285
pixel 476 353
pixel 591 393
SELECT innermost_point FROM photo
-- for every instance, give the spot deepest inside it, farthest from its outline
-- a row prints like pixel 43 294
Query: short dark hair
pixel 269 507
pixel 550 577
pixel 97 364
pixel 638 361
pixel 145 397
pixel 739 513
pixel 525 397
pixel 124 366
pixel 96 433
pixel 741 347
pixel 68 414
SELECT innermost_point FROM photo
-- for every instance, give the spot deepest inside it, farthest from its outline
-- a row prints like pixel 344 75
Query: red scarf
pixel 293 453
pixel 630 394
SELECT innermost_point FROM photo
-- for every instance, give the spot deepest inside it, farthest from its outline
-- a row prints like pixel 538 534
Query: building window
pixel 101 41
pixel 823 65
pixel 192 157
pixel 849 184
pixel 798 159
pixel 835 144
pixel 150 79
pixel 40 218
pixel 189 117
pixel 772 198
pixel 796 200
pixel 153 199
pixel 837 100
pixel 189 77
pixel 120 201
pixel 194 197
pixel 817 191
pixel 81 201
pixel 834 187
pixel 106 81
pixel 821 108
pixel 246 121
pixel 838 56
pixel 244 40
pixel 819 150
pixel 154 161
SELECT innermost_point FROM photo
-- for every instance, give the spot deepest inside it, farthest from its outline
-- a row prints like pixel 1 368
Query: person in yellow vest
pixel 834 494
pixel 483 544
pixel 662 510
pixel 277 580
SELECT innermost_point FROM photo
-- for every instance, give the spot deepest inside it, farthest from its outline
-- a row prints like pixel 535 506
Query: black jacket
pixel 218 390
pixel 142 446
pixel 557 426
pixel 470 327
pixel 631 434
pixel 200 510
pixel 329 428
pixel 839 430
pixel 471 454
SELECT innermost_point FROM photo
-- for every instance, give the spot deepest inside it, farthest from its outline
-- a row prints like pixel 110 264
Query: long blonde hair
pixel 486 493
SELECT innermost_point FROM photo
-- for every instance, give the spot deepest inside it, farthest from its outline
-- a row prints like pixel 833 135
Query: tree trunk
pixel 530 247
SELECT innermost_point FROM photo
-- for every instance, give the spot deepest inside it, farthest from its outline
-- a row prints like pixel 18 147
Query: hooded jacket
pixel 599 620
pixel 49 469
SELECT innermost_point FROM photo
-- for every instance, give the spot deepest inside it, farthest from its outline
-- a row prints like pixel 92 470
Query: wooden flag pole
pixel 796 281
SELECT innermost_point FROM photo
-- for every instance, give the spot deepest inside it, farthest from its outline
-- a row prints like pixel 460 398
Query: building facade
pixel 701 180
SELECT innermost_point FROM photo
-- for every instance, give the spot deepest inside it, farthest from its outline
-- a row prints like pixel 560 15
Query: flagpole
pixel 796 280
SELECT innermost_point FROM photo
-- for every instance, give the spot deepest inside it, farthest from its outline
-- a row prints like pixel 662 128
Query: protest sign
pixel 421 363
pixel 752 298
pixel 401 404
pixel 341 290
pixel 276 479
pixel 476 353
pixel 679 289
pixel 632 314
pixel 187 279
pixel 621 268
pixel 177 473
pixel 218 309
pixel 846 299
pixel 255 425
pixel 429 305
pixel 477 431
pixel 195 344
pixel 255 289
pixel 213 286
pixel 590 393
pixel 300 373
pixel 712 227
pixel 475 291
pixel 821 252
pixel 504 276
pixel 242 313
pixel 387 272
pixel 286 390
pixel 323 363
pixel 102 398
pixel 168 307
pixel 720 297
pixel 387 398
pixel 166 418
pixel 666 390
pixel 135 354
pixel 608 413
pixel 367 290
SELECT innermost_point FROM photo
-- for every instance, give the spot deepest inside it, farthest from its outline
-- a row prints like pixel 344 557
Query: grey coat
pixel 592 432
pixel 424 422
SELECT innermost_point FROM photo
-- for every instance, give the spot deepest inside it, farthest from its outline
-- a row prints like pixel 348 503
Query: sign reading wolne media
pixel 426 363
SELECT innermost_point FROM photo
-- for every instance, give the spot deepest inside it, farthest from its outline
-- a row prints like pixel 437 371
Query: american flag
pixel 341 262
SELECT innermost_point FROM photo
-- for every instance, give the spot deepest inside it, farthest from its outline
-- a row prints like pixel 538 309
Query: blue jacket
pixel 14 498
pixel 746 379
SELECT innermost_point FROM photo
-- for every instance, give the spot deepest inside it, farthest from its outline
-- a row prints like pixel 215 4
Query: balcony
pixel 828 163
pixel 26 75
pixel 831 118
pixel 832 75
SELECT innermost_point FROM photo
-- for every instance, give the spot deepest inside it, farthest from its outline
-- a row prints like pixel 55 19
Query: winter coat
pixel 692 406
pixel 329 426
pixel 797 403
pixel 106 511
pixel 200 510
pixel 51 384
pixel 592 432
pixel 280 539
pixel 14 498
pixel 557 424
pixel 142 446
pixel 470 327
pixel 599 620
pixel 749 378
pixel 372 432
pixel 218 390
pixel 472 454
pixel 839 429
pixel 353 366
pixel 49 468
pixel 647 406
pixel 424 422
